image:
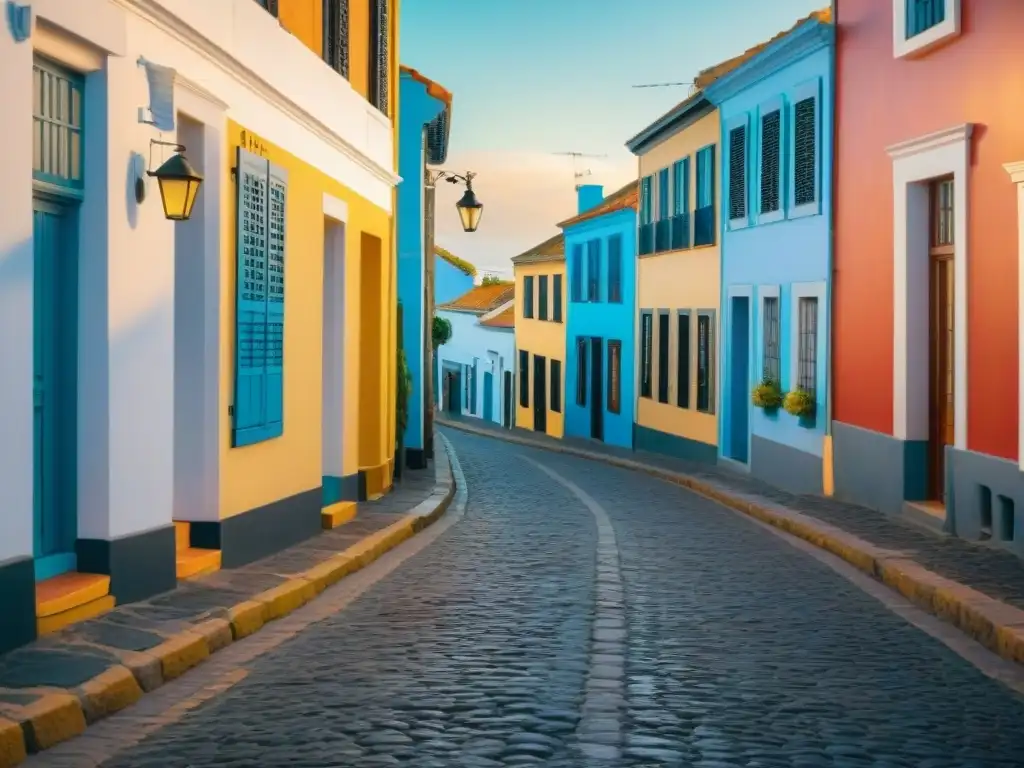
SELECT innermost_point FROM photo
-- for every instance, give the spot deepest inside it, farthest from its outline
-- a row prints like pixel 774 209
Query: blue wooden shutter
pixel 277 195
pixel 251 300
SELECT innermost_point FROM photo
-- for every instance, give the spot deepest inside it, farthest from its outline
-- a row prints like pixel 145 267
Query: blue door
pixel 739 378
pixel 54 388
pixel 488 396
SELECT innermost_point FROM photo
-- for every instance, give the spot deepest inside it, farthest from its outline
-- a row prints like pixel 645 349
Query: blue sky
pixel 535 77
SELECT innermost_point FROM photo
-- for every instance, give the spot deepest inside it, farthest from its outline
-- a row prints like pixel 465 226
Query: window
pixel 738 173
pixel 542 299
pixel 771 136
pixel 335 23
pixel 528 296
pixel 663 331
pixel 581 370
pixel 556 298
pixel 615 269
pixel 805 151
pixel 683 359
pixel 594 270
pixel 807 361
pixel 771 352
pixel 705 363
pixel 524 378
pixel 704 214
pixel 663 194
pixel 919 25
pixel 681 204
pixel 646 200
pixel 646 330
pixel 576 274
pixel 923 15
pixel 379 68
pixel 57 108
pixel 556 386
pixel 467 376
pixel 615 377
pixel 270 5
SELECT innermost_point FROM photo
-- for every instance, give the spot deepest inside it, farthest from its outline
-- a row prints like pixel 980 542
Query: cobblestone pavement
pixel 494 647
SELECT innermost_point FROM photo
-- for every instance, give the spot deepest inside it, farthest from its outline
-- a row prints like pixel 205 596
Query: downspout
pixel 428 316
pixel 829 479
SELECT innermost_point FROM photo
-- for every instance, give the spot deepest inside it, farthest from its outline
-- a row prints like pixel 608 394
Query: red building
pixel 929 243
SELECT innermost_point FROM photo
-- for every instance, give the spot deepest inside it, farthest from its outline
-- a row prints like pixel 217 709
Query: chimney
pixel 587 196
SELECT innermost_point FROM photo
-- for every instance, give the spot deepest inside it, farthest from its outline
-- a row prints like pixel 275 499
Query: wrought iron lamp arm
pixel 452 178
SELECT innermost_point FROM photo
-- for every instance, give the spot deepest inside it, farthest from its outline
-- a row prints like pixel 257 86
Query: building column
pixel 1016 171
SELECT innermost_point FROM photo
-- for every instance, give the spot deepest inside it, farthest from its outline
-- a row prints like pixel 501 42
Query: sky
pixel 533 78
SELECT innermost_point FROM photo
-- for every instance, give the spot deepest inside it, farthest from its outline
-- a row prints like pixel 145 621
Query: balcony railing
pixel 662 235
pixel 704 226
pixel 645 245
pixel 680 231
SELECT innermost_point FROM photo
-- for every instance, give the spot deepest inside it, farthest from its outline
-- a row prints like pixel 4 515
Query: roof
pixel 504 319
pixel 707 76
pixel 482 298
pixel 619 200
pixel 552 249
pixel 460 264
pixel 439 127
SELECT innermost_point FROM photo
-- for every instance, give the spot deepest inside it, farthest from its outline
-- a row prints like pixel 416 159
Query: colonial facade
pixel 180 396
pixel 600 243
pixel 927 309
pixel 540 337
pixel 776 116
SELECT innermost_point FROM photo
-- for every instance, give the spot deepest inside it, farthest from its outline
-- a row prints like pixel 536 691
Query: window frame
pixel 646 367
pixel 921 43
pixel 707 150
pixel 809 89
pixel 712 373
pixel 798 291
pixel 735 123
pixel 765 292
pixel 528 313
pixel 777 104
pixel 614 404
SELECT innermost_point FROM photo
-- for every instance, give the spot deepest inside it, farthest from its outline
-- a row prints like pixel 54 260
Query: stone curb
pixel 61 714
pixel 996 625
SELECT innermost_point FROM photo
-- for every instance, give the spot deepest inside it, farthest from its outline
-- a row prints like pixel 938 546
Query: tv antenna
pixel 576 173
pixel 692 86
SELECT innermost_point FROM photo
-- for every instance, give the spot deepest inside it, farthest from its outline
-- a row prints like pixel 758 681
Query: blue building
pixel 422 140
pixel 453 276
pixel 776 118
pixel 600 246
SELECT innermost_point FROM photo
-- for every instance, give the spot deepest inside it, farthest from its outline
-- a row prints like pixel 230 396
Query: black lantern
pixel 470 209
pixel 179 185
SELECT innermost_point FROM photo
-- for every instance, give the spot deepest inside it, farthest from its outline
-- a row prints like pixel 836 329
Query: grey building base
pixel 785 467
pixel 655 441
pixel 18 587
pixel 985 499
pixel 878 471
pixel 139 565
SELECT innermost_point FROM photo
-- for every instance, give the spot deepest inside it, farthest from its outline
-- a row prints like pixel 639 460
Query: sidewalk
pixel 51 689
pixel 978 588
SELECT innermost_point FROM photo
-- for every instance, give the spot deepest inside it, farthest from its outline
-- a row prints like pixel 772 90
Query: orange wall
pixel 977 78
pixel 304 19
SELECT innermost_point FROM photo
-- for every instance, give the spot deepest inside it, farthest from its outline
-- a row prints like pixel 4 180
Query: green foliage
pixel 440 331
pixel 494 280
pixel 799 402
pixel 403 390
pixel 767 394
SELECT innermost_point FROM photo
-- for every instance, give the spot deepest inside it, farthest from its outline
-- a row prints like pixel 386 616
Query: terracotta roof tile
pixel 483 298
pixel 436 90
pixel 460 264
pixel 619 200
pixel 552 249
pixel 504 319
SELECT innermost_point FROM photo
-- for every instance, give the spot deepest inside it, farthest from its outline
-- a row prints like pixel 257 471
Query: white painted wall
pixel 493 349
pixel 128 350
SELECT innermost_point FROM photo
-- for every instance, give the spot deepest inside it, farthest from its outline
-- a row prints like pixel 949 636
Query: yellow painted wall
pixel 540 337
pixel 687 279
pixel 259 474
pixel 304 19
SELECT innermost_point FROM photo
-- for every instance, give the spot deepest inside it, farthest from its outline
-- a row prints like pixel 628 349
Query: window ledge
pixel 920 44
pixel 771 217
pixel 735 224
pixel 803 211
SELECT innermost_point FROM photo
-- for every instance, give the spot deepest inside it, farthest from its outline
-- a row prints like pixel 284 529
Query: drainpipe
pixel 428 316
pixel 830 267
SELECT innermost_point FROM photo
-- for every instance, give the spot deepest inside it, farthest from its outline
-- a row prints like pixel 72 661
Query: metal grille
pixel 437 138
pixel 924 14
pixel 336 36
pixel 56 127
pixel 943 231
pixel 738 173
pixel 380 58
pixel 252 229
pixel 771 351
pixel 804 165
pixel 614 376
pixel 615 269
pixel 646 329
pixel 771 131
pixel 275 242
pixel 683 360
pixel 807 375
pixel 705 363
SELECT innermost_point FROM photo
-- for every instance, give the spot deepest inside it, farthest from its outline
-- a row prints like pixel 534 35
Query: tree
pixel 492 280
pixel 441 332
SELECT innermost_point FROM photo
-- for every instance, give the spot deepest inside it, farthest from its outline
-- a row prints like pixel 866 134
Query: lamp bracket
pixel 155 142
pixel 452 178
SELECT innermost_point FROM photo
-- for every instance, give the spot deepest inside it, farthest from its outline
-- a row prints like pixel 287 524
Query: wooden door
pixel 941 325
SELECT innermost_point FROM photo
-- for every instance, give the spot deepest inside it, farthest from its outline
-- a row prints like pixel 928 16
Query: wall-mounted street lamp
pixel 470 209
pixel 179 182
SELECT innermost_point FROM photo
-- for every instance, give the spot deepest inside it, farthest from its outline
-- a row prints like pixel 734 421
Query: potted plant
pixel 767 395
pixel 800 403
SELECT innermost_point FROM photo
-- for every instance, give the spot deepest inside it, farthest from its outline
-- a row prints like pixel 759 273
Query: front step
pixel 192 561
pixel 337 514
pixel 70 598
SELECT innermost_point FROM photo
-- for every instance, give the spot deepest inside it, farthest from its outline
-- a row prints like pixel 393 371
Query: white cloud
pixel 525 195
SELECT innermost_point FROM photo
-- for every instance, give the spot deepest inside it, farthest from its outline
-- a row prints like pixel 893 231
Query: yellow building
pixel 678 279
pixel 540 343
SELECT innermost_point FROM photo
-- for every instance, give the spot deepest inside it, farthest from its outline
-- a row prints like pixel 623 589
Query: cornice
pixel 174 27
pixel 809 37
pixel 1016 171
pixel 957 134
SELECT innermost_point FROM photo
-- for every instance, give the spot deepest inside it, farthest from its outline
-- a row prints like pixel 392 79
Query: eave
pixel 671 121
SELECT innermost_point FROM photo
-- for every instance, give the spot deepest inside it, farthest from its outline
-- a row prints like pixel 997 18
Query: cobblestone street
pixel 581 615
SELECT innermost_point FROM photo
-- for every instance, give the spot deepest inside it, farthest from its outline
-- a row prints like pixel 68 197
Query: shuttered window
pixel 923 15
pixel 556 386
pixel 542 299
pixel 524 378
pixel 807 360
pixel 614 376
pixel 704 215
pixel 646 200
pixel 646 331
pixel 258 411
pixel 683 359
pixel 576 274
pixel 57 107
pixel 528 296
pixel 615 269
pixel 771 136
pixel 663 194
pixel 556 298
pixel 335 22
pixel 738 173
pixel 681 187
pixel 705 363
pixel 771 351
pixel 594 270
pixel 581 370
pixel 805 151
pixel 379 86
pixel 663 341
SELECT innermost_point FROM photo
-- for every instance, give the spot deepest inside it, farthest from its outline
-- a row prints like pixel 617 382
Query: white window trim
pixel 766 292
pixel 1016 171
pixel 797 291
pixel 914 163
pixel 776 104
pixel 945 30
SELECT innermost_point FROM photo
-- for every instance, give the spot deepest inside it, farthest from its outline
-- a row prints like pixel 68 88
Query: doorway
pixel 506 401
pixel 55 380
pixel 488 396
pixel 540 386
pixel 596 389
pixel 739 375
pixel 333 356
pixel 941 335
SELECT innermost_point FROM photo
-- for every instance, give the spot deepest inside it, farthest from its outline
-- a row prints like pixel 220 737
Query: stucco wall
pixel 473 342
pixel 540 337
pixel 450 282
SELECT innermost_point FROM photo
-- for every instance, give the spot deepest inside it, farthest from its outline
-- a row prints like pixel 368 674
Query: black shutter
pixel 380 59
pixel 663 357
pixel 556 299
pixel 683 361
pixel 581 370
pixel 336 36
pixel 738 173
pixel 771 132
pixel 524 378
pixel 556 386
pixel 646 328
pixel 805 151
